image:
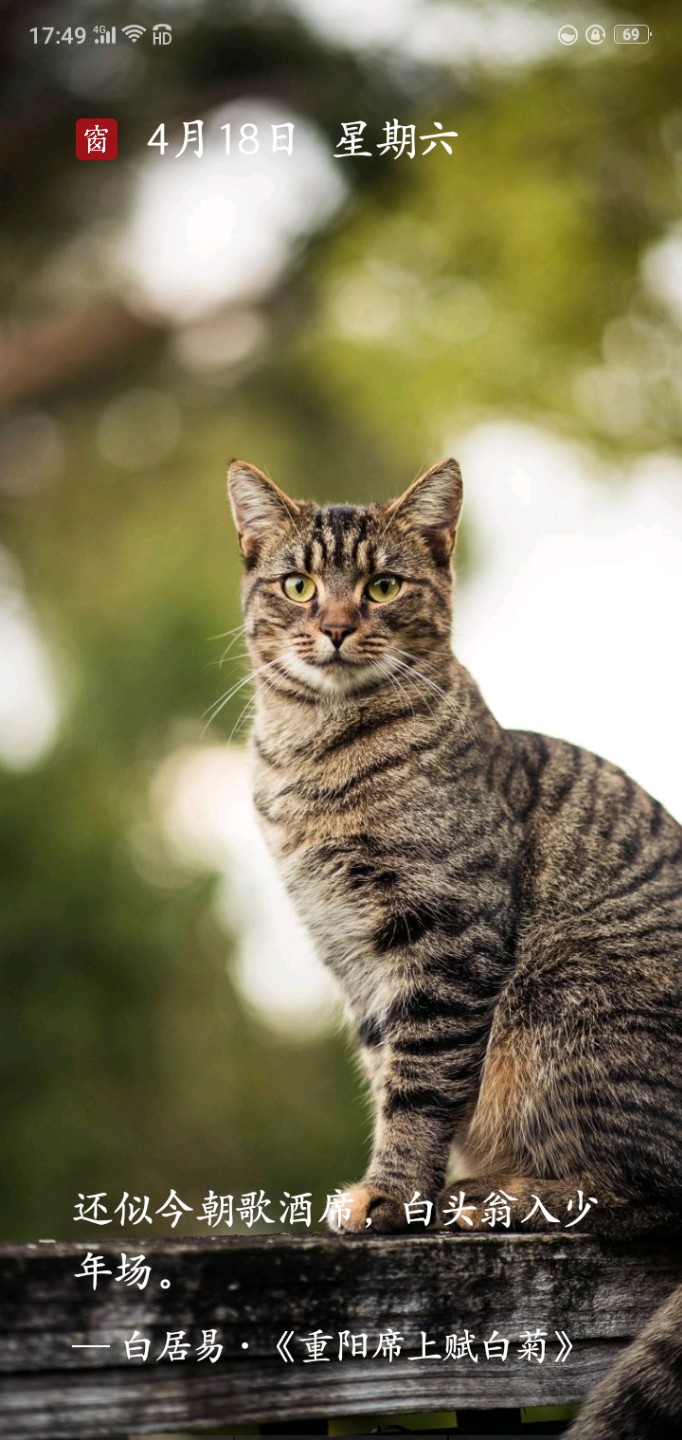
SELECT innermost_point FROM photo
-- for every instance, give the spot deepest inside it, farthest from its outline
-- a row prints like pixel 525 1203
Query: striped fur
pixel 503 911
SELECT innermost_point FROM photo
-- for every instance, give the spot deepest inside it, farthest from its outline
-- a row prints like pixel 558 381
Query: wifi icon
pixel 134 32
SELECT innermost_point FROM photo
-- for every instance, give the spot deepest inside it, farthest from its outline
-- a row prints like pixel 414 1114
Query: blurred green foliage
pixel 506 279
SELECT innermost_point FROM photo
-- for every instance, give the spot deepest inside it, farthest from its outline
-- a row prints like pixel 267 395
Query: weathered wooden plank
pixel 102 1402
pixel 252 1290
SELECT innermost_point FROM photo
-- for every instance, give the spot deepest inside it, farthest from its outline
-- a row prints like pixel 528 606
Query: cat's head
pixel 343 598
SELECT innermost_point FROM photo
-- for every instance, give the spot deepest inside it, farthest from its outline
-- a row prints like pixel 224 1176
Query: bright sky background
pixel 571 622
pixel 469 34
pixel 29 707
pixel 220 229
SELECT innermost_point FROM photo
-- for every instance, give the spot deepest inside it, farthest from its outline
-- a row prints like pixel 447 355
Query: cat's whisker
pixel 416 671
pixel 388 674
pixel 384 672
pixel 246 713
pixel 237 633
pixel 401 688
pixel 421 659
pixel 238 655
pixel 224 634
pixel 425 697
pixel 214 710
pixel 230 649
pixel 421 681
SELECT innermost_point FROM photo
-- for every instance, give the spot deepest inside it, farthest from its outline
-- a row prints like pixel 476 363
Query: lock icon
pixel 596 34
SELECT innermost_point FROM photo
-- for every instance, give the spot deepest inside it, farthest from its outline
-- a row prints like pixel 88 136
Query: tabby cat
pixel 503 911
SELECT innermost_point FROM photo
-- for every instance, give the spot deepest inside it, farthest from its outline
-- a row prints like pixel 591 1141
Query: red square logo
pixel 96 139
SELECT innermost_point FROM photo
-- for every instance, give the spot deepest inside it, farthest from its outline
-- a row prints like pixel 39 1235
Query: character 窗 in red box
pixel 96 139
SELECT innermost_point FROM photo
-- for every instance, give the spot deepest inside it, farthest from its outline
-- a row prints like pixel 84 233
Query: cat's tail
pixel 641 1397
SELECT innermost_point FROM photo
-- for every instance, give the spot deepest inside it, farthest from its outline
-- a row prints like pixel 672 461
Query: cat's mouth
pixel 335 673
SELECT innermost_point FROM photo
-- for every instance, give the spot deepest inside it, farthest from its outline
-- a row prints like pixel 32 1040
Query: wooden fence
pixel 65 1370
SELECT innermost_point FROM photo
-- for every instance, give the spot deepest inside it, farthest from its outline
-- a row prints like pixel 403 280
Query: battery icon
pixel 632 34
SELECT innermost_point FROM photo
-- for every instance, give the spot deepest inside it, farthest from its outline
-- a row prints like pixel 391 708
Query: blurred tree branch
pixel 53 354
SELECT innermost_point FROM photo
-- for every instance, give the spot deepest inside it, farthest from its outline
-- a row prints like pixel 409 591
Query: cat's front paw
pixel 365 1210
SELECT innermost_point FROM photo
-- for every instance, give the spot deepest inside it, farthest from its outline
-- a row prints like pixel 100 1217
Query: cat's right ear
pixel 258 505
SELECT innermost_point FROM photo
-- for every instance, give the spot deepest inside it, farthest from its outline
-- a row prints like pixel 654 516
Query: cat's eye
pixel 384 587
pixel 299 588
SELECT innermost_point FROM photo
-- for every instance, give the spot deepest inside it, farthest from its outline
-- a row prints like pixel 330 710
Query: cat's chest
pixel 318 858
pixel 322 851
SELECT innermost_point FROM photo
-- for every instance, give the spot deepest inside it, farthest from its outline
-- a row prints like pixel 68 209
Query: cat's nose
pixel 337 632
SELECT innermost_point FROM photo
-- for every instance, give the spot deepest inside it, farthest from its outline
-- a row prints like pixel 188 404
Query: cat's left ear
pixel 432 506
pixel 258 505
